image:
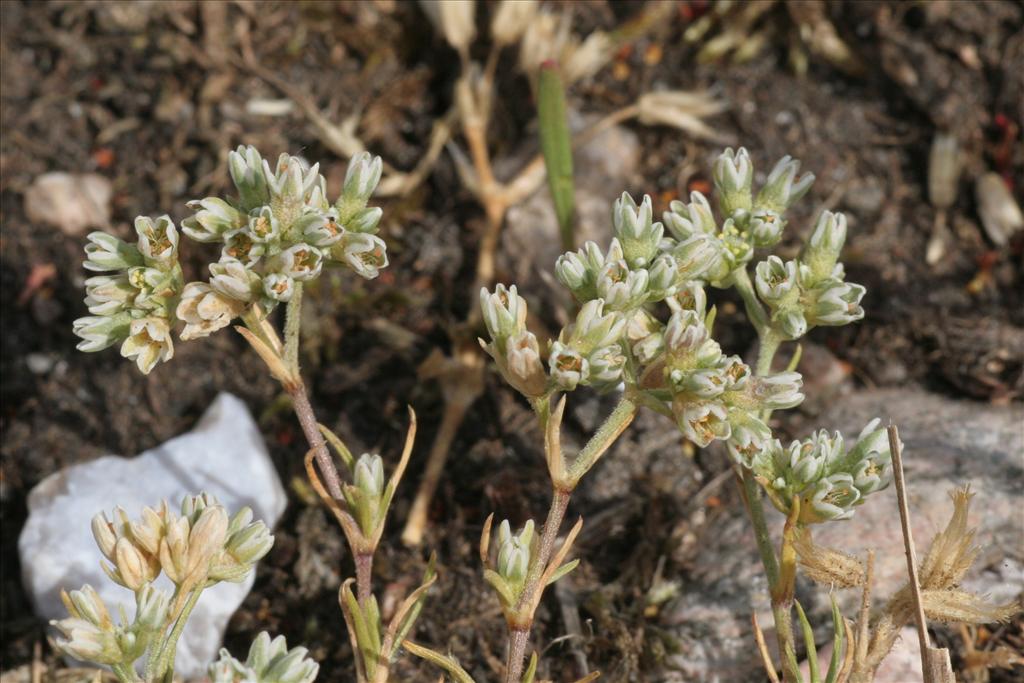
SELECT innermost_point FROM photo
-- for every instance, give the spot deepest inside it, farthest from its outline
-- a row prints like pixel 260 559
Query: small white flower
pixel 149 342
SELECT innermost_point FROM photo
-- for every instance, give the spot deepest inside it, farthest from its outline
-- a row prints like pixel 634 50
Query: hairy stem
pixel 520 634
pixel 364 577
pixel 165 657
pixel 304 411
pixel 755 311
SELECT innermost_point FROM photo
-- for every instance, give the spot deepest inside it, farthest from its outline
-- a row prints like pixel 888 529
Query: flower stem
pixel 165 657
pixel 755 311
pixel 520 634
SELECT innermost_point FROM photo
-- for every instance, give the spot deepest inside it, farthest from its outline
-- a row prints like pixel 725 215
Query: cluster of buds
pixel 132 302
pixel 810 291
pixel 715 396
pixel 195 550
pixel 280 231
pixel 749 221
pixel 89 634
pixel 269 661
pixel 821 476
pixel 199 547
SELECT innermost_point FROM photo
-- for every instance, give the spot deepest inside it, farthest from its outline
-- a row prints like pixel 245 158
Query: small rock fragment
pixel 224 455
pixel 69 202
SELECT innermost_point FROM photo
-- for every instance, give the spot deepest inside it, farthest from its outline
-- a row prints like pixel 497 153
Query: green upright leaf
pixel 556 145
pixel 812 652
pixel 837 643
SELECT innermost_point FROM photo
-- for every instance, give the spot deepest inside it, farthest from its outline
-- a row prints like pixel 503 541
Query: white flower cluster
pixel 195 550
pixel 828 479
pixel 281 230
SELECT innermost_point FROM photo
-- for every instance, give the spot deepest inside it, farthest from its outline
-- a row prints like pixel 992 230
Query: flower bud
pixel 620 287
pixel 106 252
pixel 365 220
pixel 701 257
pixel 511 19
pixel 606 365
pixel 514 552
pixel 594 329
pixel 826 242
pixel 525 369
pixel 204 310
pixel 149 342
pixel 109 294
pixel 132 569
pixel 836 303
pixel 749 436
pixel 733 175
pixel 369 475
pixel 572 272
pixel 686 220
pixel 773 392
pixel 87 604
pixel 193 506
pixel 636 232
pixel 766 227
pixel 648 348
pixel 233 279
pixel 320 230
pixel 146 534
pixel 158 240
pixel 782 189
pixel 568 367
pixel 104 534
pixel 361 178
pixel 504 312
pixel 250 543
pixel 689 296
pixel 291 180
pixel 790 322
pixel 174 549
pixel 86 642
pixel 247 171
pixel 213 218
pixel 663 275
pixel 685 333
pixel 151 607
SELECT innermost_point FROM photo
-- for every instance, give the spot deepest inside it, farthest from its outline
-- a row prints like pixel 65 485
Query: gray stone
pixel 947 443
pixel 224 455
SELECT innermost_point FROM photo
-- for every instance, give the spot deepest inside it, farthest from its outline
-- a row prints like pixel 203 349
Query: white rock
pixel 70 202
pixel 224 455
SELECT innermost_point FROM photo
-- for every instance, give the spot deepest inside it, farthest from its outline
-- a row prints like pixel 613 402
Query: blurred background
pixel 909 114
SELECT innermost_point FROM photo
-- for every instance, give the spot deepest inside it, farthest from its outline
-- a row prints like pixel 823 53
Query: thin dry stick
pixel 762 647
pixel 935 662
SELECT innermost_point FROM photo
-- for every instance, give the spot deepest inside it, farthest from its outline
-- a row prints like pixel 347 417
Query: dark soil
pixel 152 97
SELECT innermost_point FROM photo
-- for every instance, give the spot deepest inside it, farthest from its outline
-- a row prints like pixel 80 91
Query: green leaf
pixel 837 643
pixel 556 146
pixel 812 652
pixel 501 586
pixel 448 663
pixel 562 571
pixel 339 446
pixel 531 669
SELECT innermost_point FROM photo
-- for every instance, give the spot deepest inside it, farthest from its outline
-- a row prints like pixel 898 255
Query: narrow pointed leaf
pixel 556 146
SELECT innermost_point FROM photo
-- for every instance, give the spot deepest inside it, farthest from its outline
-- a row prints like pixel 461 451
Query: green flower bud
pixel 87 604
pixel 606 365
pixel 368 475
pixel 87 642
pixel 594 329
pixel 365 221
pixel 790 321
pixel 514 552
pixel 686 220
pixel 109 294
pixel 832 498
pixel 633 227
pixel 250 543
pixel 835 303
pixel 621 288
pixel 361 179
pixel 821 252
pixel 733 175
pixel 106 252
pixel 213 219
pixel 247 171
pixel 781 190
pixel 291 181
pixel 766 227
pixel 504 312
pixel 778 391
pixel 151 607
pixel 664 272
pixel 231 278
pixel 269 661
pixel 701 257
pixel 99 332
